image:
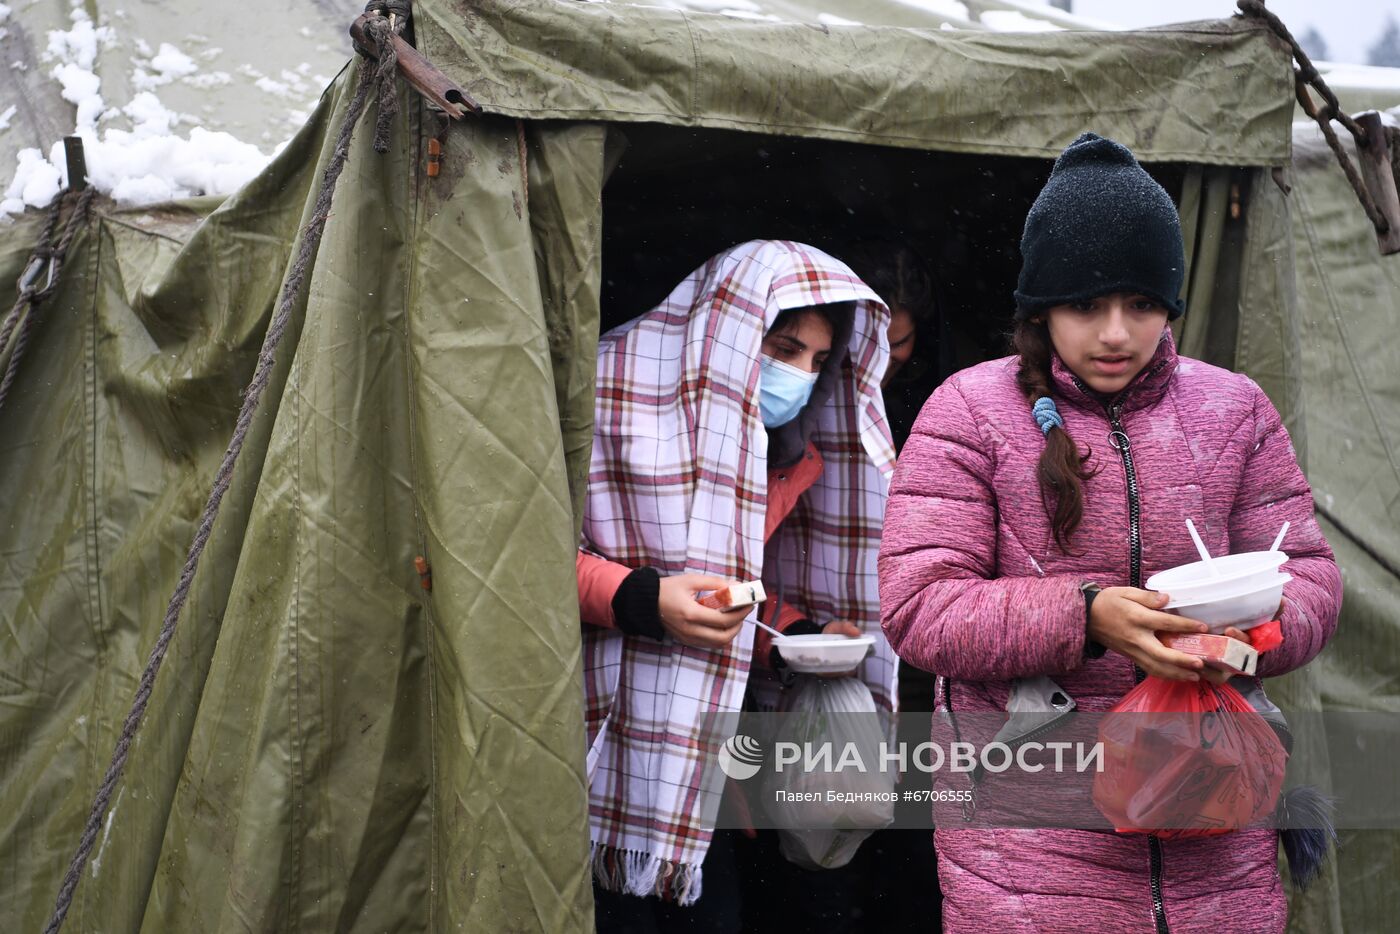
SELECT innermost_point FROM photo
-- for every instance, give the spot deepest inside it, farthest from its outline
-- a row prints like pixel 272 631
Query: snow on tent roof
pixel 977 15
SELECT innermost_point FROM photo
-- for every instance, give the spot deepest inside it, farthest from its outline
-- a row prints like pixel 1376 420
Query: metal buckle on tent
pixel 31 273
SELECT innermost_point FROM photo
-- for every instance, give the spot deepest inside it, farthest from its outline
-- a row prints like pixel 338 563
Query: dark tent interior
pixel 679 196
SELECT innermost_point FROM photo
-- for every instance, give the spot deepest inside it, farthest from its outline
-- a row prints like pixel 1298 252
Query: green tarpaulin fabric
pixel 330 747
pixel 1218 92
pixel 1347 294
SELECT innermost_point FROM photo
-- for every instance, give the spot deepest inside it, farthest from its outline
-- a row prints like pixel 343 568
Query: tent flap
pixel 1213 92
pixel 330 746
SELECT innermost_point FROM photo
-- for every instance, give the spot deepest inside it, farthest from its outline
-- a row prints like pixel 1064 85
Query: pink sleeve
pixel 1272 491
pixel 942 608
pixel 598 580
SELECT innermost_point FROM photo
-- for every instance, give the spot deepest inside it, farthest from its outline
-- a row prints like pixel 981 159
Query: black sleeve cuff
pixel 634 605
pixel 1092 649
pixel 798 627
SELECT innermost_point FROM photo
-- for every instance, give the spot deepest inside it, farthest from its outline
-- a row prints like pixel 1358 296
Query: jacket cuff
pixel 1092 649
pixel 635 604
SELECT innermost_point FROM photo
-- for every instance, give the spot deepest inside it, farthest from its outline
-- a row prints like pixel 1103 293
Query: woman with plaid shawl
pixel 739 434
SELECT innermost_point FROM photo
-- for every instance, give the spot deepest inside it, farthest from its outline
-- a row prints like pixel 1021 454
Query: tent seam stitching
pixel 91 385
pixel 420 531
pixel 293 631
pixel 863 137
pixel 94 584
pixel 694 70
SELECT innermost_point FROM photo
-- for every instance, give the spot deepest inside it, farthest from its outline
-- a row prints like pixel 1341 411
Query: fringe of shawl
pixel 643 875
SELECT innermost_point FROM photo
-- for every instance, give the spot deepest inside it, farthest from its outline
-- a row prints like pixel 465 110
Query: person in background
pixel 1035 495
pixel 901 278
pixel 918 342
pixel 739 434
pixel 886 885
pixel 892 884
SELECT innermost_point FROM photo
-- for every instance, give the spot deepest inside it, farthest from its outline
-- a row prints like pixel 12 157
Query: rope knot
pixel 382 62
pixel 400 8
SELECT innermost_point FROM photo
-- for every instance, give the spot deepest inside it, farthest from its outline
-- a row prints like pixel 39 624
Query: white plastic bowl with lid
pixel 1241 609
pixel 1235 574
pixel 821 654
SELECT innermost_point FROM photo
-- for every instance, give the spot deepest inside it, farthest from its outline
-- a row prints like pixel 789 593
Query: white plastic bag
pixel 838 826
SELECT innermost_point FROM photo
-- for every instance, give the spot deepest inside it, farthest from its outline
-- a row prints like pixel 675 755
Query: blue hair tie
pixel 1046 415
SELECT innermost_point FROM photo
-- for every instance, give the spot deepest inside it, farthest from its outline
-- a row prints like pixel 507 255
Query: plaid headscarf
pixel 678 482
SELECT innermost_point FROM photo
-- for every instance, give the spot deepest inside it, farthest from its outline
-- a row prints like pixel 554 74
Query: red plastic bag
pixel 1266 636
pixel 1187 759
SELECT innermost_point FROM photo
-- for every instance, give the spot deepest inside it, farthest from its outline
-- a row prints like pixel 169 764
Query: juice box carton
pixel 1217 651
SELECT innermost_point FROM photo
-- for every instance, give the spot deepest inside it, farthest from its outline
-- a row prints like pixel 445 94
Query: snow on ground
pixel 164 67
pixel 149 160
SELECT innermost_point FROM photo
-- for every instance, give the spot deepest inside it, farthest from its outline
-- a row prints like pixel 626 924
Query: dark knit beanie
pixel 1100 225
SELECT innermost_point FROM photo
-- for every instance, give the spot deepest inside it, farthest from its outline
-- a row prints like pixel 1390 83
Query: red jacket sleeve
pixel 785 487
pixel 942 608
pixel 763 640
pixel 1272 491
pixel 598 580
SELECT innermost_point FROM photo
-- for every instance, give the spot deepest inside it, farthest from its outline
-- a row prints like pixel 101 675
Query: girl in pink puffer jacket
pixel 1037 493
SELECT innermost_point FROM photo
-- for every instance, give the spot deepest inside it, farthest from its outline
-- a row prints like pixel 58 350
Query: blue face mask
pixel 782 391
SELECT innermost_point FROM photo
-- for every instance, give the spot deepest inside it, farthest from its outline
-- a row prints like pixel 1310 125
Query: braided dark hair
pixel 1061 469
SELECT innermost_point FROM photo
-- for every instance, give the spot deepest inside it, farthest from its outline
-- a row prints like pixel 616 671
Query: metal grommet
pixel 31 273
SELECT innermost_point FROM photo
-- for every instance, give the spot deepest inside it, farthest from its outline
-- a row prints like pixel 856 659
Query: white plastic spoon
pixel 763 625
pixel 1279 541
pixel 1201 547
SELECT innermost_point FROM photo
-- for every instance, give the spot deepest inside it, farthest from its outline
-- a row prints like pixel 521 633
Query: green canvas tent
pixel 331 746
pixel 1347 295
